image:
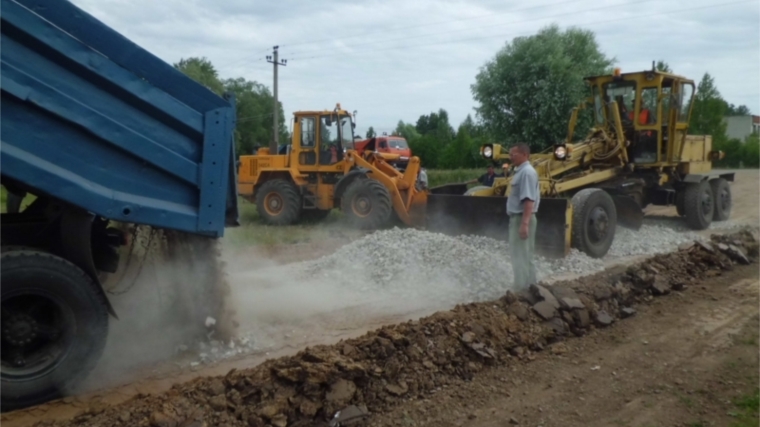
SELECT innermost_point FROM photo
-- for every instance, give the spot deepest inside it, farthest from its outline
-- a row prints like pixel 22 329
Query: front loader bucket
pixel 448 211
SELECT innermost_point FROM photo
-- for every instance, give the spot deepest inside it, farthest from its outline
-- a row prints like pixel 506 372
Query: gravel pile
pixel 649 240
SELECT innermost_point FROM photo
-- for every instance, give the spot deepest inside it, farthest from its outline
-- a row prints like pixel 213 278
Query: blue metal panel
pixel 125 135
pixel 123 52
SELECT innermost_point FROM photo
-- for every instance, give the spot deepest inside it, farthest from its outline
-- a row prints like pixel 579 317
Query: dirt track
pixel 670 338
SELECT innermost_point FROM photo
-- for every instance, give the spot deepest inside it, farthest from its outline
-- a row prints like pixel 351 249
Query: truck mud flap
pixel 449 212
pixel 629 212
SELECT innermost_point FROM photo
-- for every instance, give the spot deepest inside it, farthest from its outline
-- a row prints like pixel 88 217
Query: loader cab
pixel 654 109
pixel 320 140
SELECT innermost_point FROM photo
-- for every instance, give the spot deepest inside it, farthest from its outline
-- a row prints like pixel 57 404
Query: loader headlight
pixel 488 152
pixel 560 152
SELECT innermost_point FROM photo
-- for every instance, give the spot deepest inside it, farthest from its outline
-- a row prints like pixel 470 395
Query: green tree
pixel 751 151
pixel 663 66
pixel 528 90
pixel 709 110
pixel 407 130
pixel 371 132
pixel 741 110
pixel 436 124
pixel 428 149
pixel 254 115
pixel 457 154
pixel 202 71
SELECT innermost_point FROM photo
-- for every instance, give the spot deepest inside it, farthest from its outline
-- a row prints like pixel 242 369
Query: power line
pixel 421 25
pixel 523 33
pixel 499 24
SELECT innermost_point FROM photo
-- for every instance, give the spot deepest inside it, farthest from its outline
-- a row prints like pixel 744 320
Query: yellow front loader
pixel 320 170
pixel 637 153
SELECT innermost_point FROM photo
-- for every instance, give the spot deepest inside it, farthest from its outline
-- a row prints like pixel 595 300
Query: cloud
pixel 398 59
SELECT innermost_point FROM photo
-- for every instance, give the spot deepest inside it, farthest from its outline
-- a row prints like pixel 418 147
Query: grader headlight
pixel 488 152
pixel 560 152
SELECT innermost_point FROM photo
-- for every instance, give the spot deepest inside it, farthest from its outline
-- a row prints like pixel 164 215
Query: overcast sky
pixel 398 59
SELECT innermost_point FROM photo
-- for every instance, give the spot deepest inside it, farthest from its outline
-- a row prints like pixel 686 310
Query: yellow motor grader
pixel 320 170
pixel 637 153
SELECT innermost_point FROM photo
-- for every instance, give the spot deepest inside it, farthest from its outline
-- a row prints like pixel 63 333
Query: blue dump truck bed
pixel 100 131
pixel 92 119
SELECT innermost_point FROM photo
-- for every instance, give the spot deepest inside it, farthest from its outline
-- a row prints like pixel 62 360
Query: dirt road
pixel 684 361
pixel 640 374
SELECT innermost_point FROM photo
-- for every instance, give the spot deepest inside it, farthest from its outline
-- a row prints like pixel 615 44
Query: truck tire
pixel 594 222
pixel 722 195
pixel 679 202
pixel 366 204
pixel 699 205
pixel 278 202
pixel 51 310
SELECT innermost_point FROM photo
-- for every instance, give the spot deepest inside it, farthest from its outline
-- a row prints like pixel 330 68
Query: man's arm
pixel 528 194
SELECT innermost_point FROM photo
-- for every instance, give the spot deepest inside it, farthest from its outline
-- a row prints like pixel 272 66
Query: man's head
pixel 490 169
pixel 519 153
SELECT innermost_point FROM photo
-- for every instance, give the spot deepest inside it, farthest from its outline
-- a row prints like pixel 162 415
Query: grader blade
pixel 629 212
pixel 449 212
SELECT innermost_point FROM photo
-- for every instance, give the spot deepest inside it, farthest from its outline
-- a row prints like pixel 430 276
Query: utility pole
pixel 275 142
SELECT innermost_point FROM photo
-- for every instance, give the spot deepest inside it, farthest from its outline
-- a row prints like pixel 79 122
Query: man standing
pixel 522 205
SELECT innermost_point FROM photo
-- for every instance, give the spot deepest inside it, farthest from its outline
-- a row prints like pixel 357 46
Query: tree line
pixel 525 93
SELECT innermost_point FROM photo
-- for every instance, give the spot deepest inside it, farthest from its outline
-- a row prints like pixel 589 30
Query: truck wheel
pixel 722 195
pixel 594 222
pixel 278 202
pixel 679 202
pixel 699 205
pixel 54 327
pixel 366 204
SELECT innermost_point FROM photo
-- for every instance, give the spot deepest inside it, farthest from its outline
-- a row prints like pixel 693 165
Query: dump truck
pixel 637 153
pixel 96 132
pixel 393 144
pixel 320 170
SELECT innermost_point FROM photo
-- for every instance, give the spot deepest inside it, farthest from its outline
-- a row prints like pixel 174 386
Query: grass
pixel 748 410
pixel 438 177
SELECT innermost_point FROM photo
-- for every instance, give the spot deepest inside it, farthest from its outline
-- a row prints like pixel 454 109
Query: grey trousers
pixel 522 252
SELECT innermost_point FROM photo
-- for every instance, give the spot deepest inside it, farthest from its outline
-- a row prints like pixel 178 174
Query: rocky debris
pixel 544 295
pixel 627 312
pixel 412 360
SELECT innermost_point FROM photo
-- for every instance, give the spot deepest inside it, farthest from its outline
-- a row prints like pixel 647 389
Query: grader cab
pixel 637 153
pixel 320 170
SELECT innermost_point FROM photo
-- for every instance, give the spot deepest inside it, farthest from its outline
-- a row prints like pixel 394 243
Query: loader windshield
pixel 346 132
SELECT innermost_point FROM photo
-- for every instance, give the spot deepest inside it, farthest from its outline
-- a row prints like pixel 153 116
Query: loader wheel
pixel 679 202
pixel 594 222
pixel 722 194
pixel 366 204
pixel 699 205
pixel 54 327
pixel 278 202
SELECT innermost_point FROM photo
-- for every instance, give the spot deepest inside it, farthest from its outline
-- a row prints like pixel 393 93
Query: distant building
pixel 740 127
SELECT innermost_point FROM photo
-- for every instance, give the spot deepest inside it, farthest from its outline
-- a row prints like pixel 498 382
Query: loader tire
pixel 366 204
pixel 278 202
pixel 722 195
pixel 679 202
pixel 699 205
pixel 594 222
pixel 54 327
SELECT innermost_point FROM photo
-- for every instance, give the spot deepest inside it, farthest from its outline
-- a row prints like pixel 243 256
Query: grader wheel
pixel 699 205
pixel 722 195
pixel 278 202
pixel 594 222
pixel 366 204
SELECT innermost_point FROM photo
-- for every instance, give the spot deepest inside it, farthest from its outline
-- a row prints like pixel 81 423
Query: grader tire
pixel 594 222
pixel 367 204
pixel 679 202
pixel 722 195
pixel 278 202
pixel 699 205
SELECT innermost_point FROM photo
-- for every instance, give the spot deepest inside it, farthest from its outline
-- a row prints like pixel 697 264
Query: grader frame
pixel 631 158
